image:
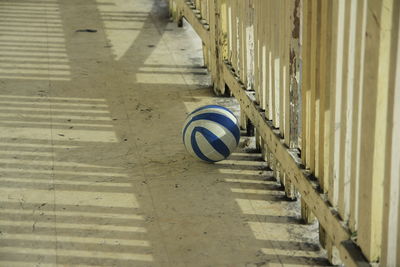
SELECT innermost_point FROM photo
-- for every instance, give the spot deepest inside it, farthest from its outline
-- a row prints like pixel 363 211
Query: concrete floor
pixel 92 168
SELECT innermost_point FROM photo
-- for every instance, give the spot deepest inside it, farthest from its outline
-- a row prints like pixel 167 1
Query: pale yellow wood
pixel 332 251
pixel 306 213
pixel 356 127
pixel 305 87
pixel 239 30
pixel 281 55
pixel 212 36
pixel 346 53
pixel 333 147
pixel 290 190
pixel 324 94
pixel 312 57
pixel 308 95
pixel 274 50
pixel 269 58
pixel 221 43
pixel 249 58
pixel 390 252
pixel 274 166
pixel 257 61
pixel 375 125
pixel 243 41
pixel 321 158
pixel 229 30
pixel 263 33
pixel 214 48
pixel 234 34
pixel 288 9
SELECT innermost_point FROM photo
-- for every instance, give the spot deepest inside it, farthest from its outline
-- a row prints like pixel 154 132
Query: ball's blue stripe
pixel 212 106
pixel 196 148
pixel 218 118
pixel 214 141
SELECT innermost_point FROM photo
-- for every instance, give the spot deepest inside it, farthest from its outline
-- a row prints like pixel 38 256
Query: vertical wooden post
pixel 274 44
pixel 346 107
pixel 308 101
pixel 333 124
pixel 268 43
pixel 218 43
pixel 357 112
pixel 234 36
pixel 391 227
pixel 257 52
pixel 323 139
pixel 249 33
pixel 374 144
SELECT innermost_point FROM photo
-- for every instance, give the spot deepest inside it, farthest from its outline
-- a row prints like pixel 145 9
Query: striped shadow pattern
pixel 211 133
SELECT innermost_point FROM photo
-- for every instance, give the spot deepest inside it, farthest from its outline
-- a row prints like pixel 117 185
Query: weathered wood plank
pixel 374 144
pixel 391 227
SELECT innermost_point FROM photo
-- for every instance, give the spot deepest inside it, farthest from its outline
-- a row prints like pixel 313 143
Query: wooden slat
pixel 239 30
pixel 234 35
pixel 322 157
pixel 281 59
pixel 249 59
pixel 324 89
pixel 374 149
pixel 305 80
pixel 264 6
pixel 274 43
pixel 229 29
pixel 312 104
pixel 287 7
pixel 317 36
pixel 346 73
pixel 308 95
pixel 357 112
pixel 242 39
pixel 268 42
pixel 391 228
pixel 333 96
pixel 257 53
pixel 214 55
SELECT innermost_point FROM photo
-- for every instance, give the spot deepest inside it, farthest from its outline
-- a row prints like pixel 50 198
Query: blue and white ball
pixel 211 133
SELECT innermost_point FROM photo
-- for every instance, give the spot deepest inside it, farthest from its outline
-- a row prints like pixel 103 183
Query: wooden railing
pixel 320 83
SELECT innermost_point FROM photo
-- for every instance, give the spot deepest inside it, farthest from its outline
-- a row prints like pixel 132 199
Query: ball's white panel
pixel 207 149
pixel 229 140
pixel 187 140
pixel 224 134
